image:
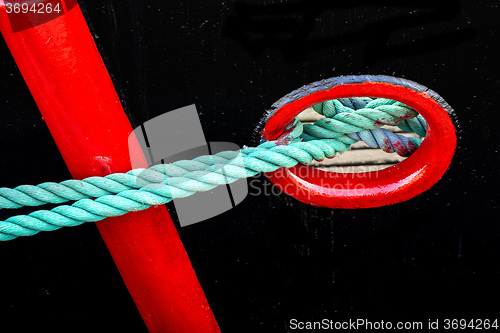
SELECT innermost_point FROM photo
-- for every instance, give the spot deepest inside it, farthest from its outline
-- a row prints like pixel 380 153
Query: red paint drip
pixel 400 148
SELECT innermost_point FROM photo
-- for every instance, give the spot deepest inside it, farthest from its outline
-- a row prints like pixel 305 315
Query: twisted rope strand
pixel 142 188
pixel 340 121
pixel 86 210
pixel 375 138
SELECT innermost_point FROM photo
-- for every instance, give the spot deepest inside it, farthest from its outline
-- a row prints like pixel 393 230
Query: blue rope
pixel 346 122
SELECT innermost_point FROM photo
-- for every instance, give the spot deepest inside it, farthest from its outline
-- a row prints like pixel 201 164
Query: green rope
pixel 347 121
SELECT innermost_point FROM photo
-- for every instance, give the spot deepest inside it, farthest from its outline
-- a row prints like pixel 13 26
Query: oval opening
pixel 379 151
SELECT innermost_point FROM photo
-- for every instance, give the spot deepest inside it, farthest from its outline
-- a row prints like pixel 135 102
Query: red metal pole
pixel 69 82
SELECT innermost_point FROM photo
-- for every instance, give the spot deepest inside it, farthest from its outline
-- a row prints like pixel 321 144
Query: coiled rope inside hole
pixel 375 149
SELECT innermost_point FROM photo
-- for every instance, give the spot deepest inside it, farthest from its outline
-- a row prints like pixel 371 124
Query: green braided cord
pixel 72 190
pixel 375 138
pixel 120 193
pixel 265 158
pixel 378 138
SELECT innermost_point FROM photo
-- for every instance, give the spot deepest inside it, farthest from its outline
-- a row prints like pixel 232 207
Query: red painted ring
pixel 395 184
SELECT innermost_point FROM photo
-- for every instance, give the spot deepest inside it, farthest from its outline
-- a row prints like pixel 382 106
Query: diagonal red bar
pixel 69 82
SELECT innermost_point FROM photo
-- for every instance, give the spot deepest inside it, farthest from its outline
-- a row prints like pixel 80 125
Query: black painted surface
pixel 272 258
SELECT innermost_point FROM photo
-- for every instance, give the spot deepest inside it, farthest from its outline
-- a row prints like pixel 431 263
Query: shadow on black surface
pixel 296 27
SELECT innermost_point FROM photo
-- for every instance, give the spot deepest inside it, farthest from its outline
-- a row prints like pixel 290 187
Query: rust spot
pixel 412 147
pixel 387 146
pixel 400 149
pixel 102 165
